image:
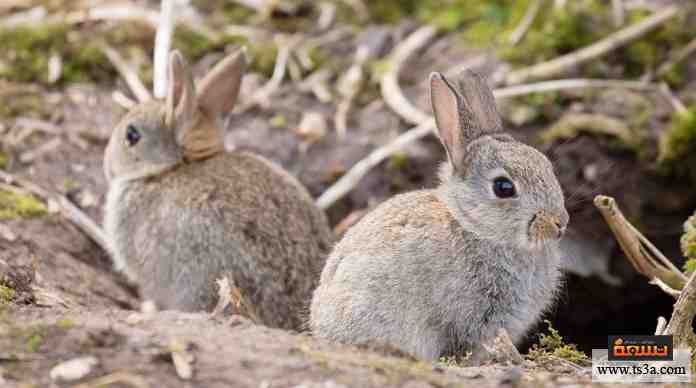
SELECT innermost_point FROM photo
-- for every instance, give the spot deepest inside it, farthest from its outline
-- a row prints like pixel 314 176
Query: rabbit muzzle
pixel 545 226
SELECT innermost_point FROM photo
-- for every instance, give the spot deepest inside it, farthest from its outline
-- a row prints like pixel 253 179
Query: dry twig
pixel 163 44
pixel 562 64
pixel 346 183
pixel 127 73
pixel 642 254
pixel 67 209
pixel 677 58
pixel 391 91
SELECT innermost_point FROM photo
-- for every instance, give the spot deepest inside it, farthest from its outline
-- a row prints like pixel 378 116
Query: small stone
pixel 74 369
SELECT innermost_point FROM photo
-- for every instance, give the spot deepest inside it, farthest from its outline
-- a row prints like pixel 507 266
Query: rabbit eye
pixel 132 135
pixel 503 188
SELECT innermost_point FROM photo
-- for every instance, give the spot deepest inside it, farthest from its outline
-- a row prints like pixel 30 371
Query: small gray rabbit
pixel 181 212
pixel 437 272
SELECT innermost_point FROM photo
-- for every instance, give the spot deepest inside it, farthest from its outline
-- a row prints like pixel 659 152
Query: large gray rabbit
pixel 435 272
pixel 181 212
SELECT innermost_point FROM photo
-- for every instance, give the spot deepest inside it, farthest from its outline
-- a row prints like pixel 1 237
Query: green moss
pixel 647 53
pixel 677 151
pixel 14 205
pixel 26 51
pixel 620 136
pixel 557 32
pixel 688 244
pixel 278 121
pixel 552 345
pixel 4 160
pixel 65 324
pixel 34 342
pixel 7 295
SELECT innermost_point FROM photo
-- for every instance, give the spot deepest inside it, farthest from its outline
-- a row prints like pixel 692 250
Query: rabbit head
pixel 496 187
pixel 187 125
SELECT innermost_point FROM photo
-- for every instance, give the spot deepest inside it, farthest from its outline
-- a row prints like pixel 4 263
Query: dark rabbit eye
pixel 132 135
pixel 503 188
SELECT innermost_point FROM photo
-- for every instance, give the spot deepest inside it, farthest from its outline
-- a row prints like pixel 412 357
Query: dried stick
pixel 673 100
pixel 127 73
pixel 163 44
pixel 263 95
pixel 526 23
pixel 566 84
pixel 617 12
pixel 560 65
pixel 661 325
pixel 639 251
pixel 391 92
pixel 683 316
pixel 67 209
pixel 346 183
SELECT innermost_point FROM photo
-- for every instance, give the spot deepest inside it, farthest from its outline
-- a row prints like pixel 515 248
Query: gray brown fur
pixel 177 225
pixel 434 272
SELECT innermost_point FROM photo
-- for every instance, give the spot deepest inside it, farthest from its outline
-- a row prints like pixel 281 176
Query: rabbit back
pixel 426 285
pixel 236 214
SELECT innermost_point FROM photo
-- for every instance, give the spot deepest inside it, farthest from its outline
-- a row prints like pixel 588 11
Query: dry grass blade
pixel 639 250
pixel 121 378
pixel 562 64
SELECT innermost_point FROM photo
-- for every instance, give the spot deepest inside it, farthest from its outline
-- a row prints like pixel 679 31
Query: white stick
pixel 163 44
pixel 127 73
pixel 391 92
pixel 527 21
pixel 360 169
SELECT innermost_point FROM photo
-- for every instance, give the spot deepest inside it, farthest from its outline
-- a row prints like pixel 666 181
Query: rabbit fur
pixel 181 212
pixel 438 272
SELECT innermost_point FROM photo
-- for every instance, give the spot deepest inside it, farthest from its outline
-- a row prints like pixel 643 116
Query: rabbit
pixel 181 212
pixel 439 272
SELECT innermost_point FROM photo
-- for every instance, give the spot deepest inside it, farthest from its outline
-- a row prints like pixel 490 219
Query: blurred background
pixel 331 81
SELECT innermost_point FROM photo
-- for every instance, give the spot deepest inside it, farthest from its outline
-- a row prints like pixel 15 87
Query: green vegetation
pixel 26 51
pixel 7 295
pixel 4 160
pixel 65 324
pixel 34 341
pixel 15 205
pixel 678 145
pixel 688 244
pixel 552 345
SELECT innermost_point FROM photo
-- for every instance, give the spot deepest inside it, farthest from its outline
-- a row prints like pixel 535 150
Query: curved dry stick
pixel 163 44
pixel 560 65
pixel 391 92
pixel 348 181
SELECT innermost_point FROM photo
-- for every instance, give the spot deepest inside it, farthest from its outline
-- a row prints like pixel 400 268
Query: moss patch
pixel 14 206
pixel 552 345
pixel 688 244
pixel 7 295
pixel 677 150
pixel 25 53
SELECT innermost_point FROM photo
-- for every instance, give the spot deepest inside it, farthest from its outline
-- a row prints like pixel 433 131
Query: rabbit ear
pixel 463 114
pixel 445 101
pixel 480 115
pixel 219 89
pixel 181 96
